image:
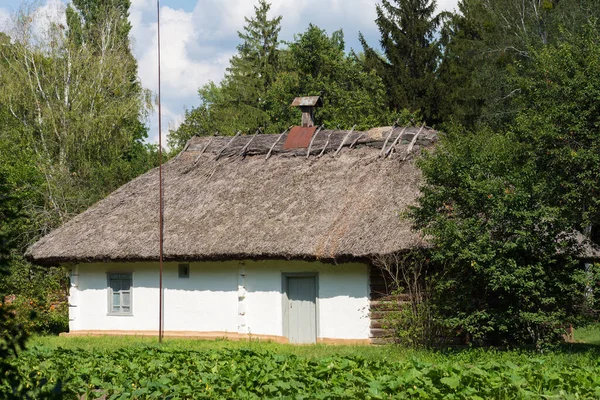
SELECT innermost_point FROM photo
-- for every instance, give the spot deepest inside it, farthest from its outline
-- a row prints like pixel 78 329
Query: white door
pixel 302 315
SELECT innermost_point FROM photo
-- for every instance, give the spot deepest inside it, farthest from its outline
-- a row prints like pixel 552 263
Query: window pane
pixel 116 300
pixel 126 298
pixel 119 292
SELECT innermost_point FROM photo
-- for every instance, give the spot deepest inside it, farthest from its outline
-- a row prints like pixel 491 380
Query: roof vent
pixel 307 105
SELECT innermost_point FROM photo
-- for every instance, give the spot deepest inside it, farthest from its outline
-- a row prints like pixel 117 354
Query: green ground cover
pixel 125 367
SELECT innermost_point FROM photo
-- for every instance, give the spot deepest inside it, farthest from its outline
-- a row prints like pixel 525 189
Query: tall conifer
pixel 410 52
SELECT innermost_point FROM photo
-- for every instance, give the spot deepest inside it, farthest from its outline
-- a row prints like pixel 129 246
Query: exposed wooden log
pixel 312 140
pixel 356 140
pixel 386 140
pixel 389 151
pixel 243 152
pixel 326 143
pixel 344 141
pixel 414 140
pixel 262 144
pixel 227 145
pixel 376 324
pixel 203 150
pixel 380 333
pixel 384 305
pixel 277 141
pixel 187 144
pixel 378 315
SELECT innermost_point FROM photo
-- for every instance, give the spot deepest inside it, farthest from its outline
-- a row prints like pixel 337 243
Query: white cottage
pixel 265 236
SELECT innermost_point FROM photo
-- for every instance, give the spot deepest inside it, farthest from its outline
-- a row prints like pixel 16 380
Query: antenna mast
pixel 160 189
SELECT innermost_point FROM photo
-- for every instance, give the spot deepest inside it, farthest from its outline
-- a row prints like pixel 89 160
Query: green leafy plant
pixel 151 372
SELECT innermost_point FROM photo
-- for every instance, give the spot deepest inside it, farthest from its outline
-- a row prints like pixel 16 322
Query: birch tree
pixel 73 103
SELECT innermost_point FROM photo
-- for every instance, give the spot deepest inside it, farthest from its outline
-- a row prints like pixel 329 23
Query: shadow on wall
pixel 342 280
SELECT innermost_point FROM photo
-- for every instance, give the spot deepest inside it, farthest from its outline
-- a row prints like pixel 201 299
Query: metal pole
pixel 160 189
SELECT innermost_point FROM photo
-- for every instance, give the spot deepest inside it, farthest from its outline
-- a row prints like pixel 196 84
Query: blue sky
pixel 200 36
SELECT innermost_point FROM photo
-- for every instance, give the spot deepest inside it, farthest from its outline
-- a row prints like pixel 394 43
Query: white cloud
pixel 181 73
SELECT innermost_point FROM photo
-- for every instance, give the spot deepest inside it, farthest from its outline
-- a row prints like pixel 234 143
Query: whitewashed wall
pixel 231 297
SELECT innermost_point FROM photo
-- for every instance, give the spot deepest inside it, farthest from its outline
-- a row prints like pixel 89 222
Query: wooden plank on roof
pixel 344 141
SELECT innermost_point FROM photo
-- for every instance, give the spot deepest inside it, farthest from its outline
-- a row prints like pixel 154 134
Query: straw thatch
pixel 224 199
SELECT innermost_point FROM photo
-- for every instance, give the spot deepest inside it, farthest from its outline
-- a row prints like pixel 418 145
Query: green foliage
pixel 409 312
pixel 588 334
pixel 38 296
pixel 150 372
pixel 72 115
pixel 12 333
pixel 256 64
pixel 411 53
pixel 559 122
pixel 508 275
pixel 263 79
pixel 487 43
pixel 504 204
pixel 351 96
pixel 85 16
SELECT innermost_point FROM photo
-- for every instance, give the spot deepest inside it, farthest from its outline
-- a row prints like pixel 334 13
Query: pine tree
pixel 411 53
pixel 252 71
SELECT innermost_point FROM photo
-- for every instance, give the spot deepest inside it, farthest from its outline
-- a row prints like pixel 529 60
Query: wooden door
pixel 302 315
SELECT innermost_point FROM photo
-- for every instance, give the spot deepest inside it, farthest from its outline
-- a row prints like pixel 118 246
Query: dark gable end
pixel 225 198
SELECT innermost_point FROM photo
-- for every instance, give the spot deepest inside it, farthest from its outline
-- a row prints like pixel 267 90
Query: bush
pixel 508 272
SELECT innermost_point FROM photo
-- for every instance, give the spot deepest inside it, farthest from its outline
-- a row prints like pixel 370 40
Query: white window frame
pixel 112 276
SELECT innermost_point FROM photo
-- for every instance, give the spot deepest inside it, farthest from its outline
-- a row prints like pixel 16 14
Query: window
pixel 119 293
pixel 184 270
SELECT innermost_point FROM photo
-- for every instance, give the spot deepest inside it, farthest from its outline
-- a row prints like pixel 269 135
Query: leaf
pixel 451 381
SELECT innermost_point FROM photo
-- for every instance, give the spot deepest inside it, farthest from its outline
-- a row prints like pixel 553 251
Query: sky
pixel 198 37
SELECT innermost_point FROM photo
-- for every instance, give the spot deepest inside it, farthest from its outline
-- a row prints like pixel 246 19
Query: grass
pixel 587 350
pixel 101 343
pixel 589 334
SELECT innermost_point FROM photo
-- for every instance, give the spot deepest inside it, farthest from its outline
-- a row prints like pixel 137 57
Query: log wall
pixel 383 302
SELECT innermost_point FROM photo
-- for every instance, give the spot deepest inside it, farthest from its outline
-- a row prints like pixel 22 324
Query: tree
pixel 487 43
pixel 12 335
pixel 410 53
pixel 509 275
pixel 239 102
pixel 71 110
pixel 559 121
pixel 255 66
pixel 503 208
pixel 316 64
pixel 85 16
pixel 254 95
pixel 75 106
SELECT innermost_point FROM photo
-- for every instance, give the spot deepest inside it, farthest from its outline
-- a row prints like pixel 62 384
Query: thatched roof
pixel 224 199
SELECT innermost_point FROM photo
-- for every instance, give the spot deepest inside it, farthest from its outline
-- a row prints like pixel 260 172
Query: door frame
pixel 285 276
